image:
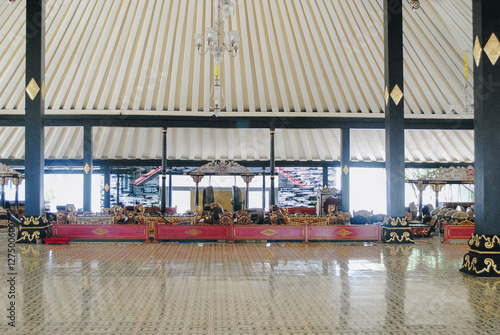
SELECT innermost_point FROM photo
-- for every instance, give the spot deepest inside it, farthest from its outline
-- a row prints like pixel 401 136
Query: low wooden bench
pixel 60 240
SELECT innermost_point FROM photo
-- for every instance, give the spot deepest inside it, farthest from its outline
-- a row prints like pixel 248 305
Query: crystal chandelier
pixel 217 44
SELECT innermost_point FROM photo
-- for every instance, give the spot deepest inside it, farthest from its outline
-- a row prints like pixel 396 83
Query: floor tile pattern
pixel 248 288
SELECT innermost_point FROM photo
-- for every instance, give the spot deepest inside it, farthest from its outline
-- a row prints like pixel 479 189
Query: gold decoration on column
pixel 477 51
pixel 32 89
pixel 396 94
pixel 346 170
pixel 106 187
pixel 492 49
pixel 87 168
pixel 386 96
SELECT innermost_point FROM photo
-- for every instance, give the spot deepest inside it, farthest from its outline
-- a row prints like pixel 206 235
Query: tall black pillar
pixel 345 158
pixel 196 194
pixel 170 187
pixel 272 199
pixel 247 195
pixel 483 258
pixel 263 188
pixel 325 176
pixel 34 225
pixel 87 168
pixel 117 189
pixel 107 186
pixel 2 183
pixel 396 230
pixel 163 200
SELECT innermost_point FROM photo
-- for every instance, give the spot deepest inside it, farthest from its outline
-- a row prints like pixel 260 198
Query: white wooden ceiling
pixel 297 57
pixel 367 145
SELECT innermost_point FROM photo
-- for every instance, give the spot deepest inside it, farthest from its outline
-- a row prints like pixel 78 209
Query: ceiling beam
pixel 292 122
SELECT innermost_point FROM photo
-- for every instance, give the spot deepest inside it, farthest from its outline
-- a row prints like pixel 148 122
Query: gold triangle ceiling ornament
pixel 477 51
pixel 346 170
pixel 396 94
pixel 492 49
pixel 32 89
pixel 386 96
pixel 106 188
pixel 87 168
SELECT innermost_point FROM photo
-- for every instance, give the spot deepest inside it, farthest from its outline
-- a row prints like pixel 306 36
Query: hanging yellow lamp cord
pixel 466 66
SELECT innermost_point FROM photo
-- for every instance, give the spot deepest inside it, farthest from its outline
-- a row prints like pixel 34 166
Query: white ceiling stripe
pixel 113 57
pixel 179 45
pixel 125 50
pixel 167 54
pixel 187 63
pixel 289 80
pixel 363 30
pixel 331 18
pixel 142 49
pixel 102 28
pixel 292 33
pixel 77 43
pixel 15 136
pixel 80 59
pixel 155 72
pixel 143 85
pixel 267 82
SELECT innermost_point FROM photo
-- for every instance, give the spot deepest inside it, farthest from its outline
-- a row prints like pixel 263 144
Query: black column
pixel 107 186
pixel 170 187
pixel 117 189
pixel 345 158
pixel 2 183
pixel 35 106
pixel 87 168
pixel 247 196
pixel 163 200
pixel 325 176
pixel 397 230
pixel 34 224
pixel 272 199
pixel 196 196
pixel 263 188
pixel 483 258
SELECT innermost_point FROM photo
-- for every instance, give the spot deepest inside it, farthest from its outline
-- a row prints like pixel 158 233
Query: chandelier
pixel 218 43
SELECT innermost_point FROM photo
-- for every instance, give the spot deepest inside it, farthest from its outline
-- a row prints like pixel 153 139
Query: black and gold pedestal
pixel 483 258
pixel 396 230
pixel 33 228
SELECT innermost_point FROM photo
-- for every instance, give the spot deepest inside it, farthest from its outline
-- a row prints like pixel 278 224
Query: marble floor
pixel 246 288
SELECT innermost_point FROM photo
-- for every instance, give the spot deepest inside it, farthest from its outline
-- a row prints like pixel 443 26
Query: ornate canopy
pixel 7 173
pixel 222 168
pixel 448 175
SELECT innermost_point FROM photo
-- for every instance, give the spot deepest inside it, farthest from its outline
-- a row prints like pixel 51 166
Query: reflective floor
pixel 246 288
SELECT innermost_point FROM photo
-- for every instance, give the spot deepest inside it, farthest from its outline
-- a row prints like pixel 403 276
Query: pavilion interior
pixel 309 68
